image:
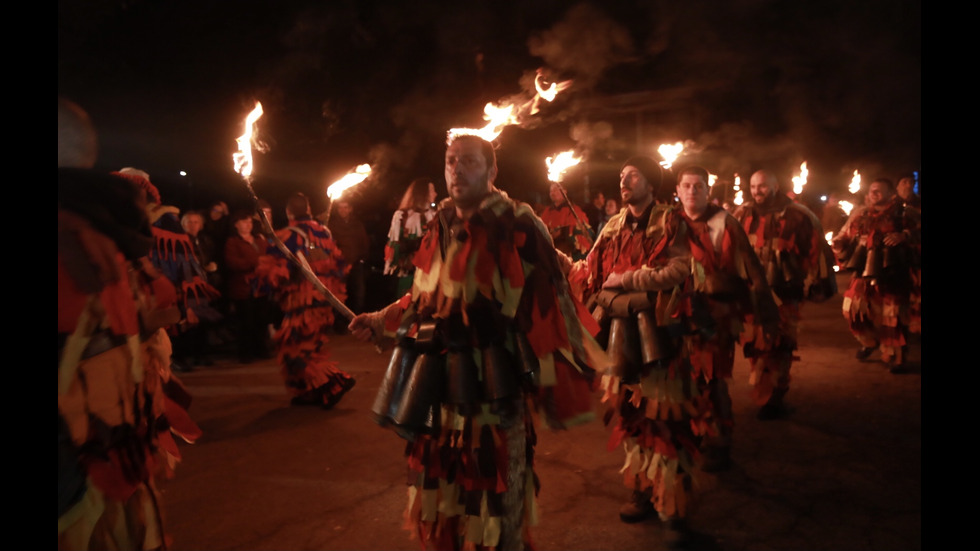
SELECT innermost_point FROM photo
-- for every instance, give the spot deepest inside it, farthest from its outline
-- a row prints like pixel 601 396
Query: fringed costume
pixel 799 265
pixel 727 281
pixel 659 407
pixel 878 303
pixel 404 238
pixel 310 375
pixel 569 235
pixel 119 405
pixel 487 340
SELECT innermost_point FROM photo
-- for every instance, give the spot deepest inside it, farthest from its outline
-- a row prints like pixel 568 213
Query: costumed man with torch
pixel 487 334
pixel 799 263
pixel 303 270
pixel 311 377
pixel 566 222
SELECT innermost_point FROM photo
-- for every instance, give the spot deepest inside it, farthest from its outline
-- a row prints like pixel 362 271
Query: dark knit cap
pixel 649 168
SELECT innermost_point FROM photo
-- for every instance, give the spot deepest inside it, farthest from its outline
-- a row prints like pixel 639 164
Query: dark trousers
pixel 250 326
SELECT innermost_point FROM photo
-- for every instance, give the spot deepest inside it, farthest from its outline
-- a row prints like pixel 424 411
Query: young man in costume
pixel 311 377
pixel 567 223
pixel 637 278
pixel 726 278
pixel 119 405
pixel 799 265
pixel 880 246
pixel 487 339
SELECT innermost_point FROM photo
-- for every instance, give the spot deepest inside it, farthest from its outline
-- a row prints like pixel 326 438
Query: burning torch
pixel 336 189
pixel 243 166
pixel 557 166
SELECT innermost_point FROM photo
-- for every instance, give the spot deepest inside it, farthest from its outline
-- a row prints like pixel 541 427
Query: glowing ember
pixel 349 180
pixel 829 236
pixel 800 181
pixel 855 183
pixel 738 190
pixel 243 157
pixel 558 164
pixel 669 153
pixel 846 206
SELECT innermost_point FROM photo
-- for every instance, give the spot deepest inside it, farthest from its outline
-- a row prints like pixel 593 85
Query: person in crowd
pixel 352 237
pixel 192 348
pixel 310 376
pixel 637 278
pixel 173 254
pixel 119 404
pixel 567 223
pixel 595 210
pixel 799 264
pixel 879 247
pixel 610 208
pixel 242 251
pixel 833 217
pixel 488 334
pixel 906 192
pixel 727 281
pixel 408 225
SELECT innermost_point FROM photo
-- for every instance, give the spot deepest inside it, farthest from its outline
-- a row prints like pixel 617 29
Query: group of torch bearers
pixel 501 333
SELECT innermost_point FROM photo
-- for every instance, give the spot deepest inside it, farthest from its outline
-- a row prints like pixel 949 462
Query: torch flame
pixel 846 206
pixel 498 118
pixel 349 180
pixel 712 178
pixel 558 164
pixel 243 157
pixel 855 183
pixel 800 181
pixel 509 112
pixel 669 153
pixel 548 94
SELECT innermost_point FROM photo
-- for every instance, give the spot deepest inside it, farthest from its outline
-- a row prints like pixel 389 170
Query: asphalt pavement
pixel 843 472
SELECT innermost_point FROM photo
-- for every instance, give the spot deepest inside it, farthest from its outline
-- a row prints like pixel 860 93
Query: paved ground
pixel 842 473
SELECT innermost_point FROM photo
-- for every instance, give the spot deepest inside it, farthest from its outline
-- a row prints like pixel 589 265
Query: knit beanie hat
pixel 649 168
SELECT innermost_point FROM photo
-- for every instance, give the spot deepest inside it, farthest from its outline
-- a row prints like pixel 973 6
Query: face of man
pixel 634 187
pixel 693 193
pixel 612 207
pixel 468 177
pixel 193 224
pixel 344 209
pixel 762 186
pixel 904 188
pixel 244 226
pixel 879 194
pixel 554 192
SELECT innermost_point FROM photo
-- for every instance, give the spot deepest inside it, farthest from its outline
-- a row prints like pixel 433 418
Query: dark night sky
pixel 746 83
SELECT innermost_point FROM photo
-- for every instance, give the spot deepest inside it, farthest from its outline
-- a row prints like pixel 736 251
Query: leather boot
pixel 638 507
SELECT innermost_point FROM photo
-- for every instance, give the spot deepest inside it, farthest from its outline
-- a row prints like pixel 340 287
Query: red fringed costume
pixel 119 404
pixel 659 404
pixel 799 265
pixel 728 280
pixel 310 375
pixel 487 340
pixel 570 236
pixel 884 291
